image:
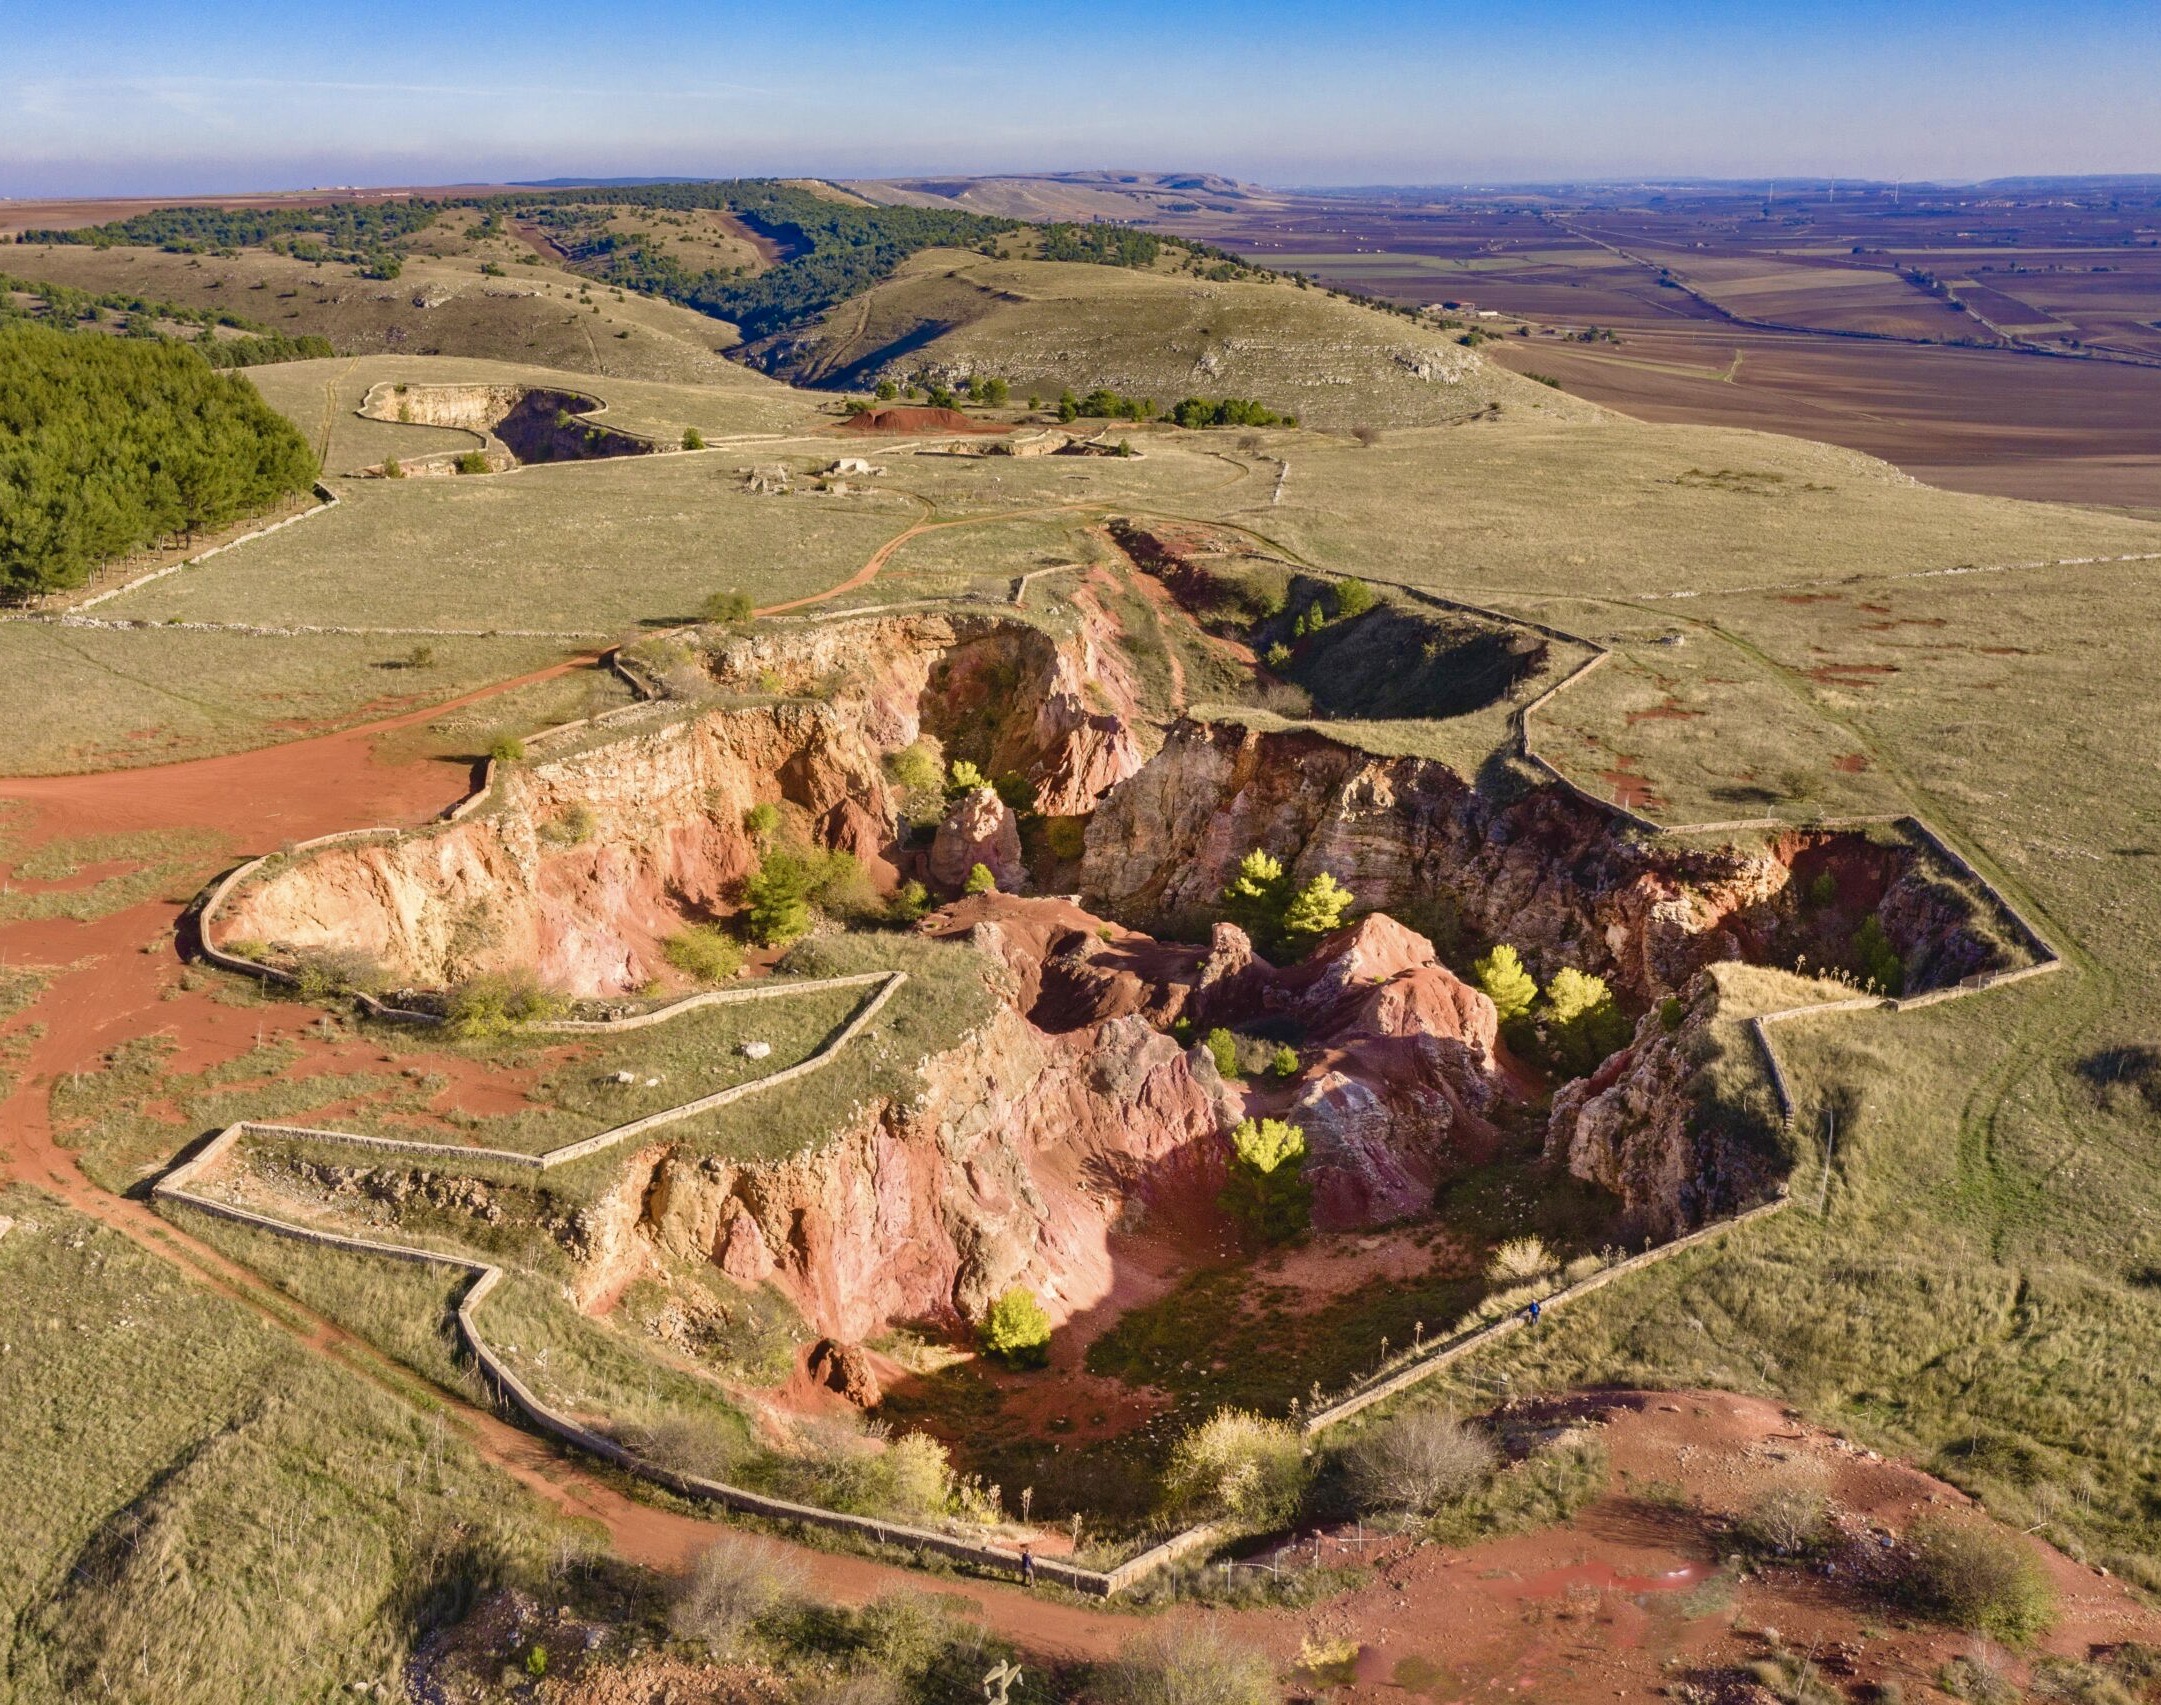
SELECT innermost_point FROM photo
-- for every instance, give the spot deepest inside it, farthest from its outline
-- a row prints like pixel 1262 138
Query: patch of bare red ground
pixel 1666 711
pixel 905 419
pixel 1850 674
pixel 1632 789
pixel 1850 763
pixel 1615 1603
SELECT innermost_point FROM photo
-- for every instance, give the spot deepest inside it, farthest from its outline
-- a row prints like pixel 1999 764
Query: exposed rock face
pixel 980 828
pixel 1060 713
pixel 662 816
pixel 1546 872
pixel 1634 1128
pixel 1016 1157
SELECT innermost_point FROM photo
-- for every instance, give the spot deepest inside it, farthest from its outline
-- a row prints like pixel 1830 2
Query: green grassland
pixel 1612 509
pixel 175 1463
pixel 579 548
pixel 91 699
pixel 1151 332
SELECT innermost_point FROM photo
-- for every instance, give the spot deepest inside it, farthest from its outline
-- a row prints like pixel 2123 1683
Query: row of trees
pixel 1574 1025
pixel 108 444
pixel 1103 403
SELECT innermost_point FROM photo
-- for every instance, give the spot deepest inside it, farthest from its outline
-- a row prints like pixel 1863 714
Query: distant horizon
pixel 1798 183
pixel 152 98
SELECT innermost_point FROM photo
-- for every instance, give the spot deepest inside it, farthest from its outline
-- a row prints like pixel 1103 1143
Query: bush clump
pixel 1500 974
pixel 728 609
pixel 1972 1575
pixel 1239 1465
pixel 705 952
pixel 1268 1193
pixel 1017 1331
pixel 495 1003
pixel 1786 1521
pixel 1188 1664
pixel 734 1584
pixel 1417 1462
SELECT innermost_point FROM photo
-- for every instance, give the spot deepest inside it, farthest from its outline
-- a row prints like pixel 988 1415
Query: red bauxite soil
pixel 905 419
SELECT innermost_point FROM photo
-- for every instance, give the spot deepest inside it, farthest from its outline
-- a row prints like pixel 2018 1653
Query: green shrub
pixel 1185 1664
pixel 1017 1331
pixel 1966 1572
pixel 980 880
pixel 1066 837
pixel 1582 1022
pixel 1315 910
pixel 1256 897
pixel 324 973
pixel 1267 1192
pixel 472 462
pixel 693 439
pixel 1418 1461
pixel 1238 1465
pixel 910 901
pixel 1353 598
pixel 705 952
pixel 916 768
pixel 729 609
pixel 1278 656
pixel 1882 967
pixel 1518 1260
pixel 1222 1047
pixel 393 469
pixel 1284 1061
pixel 1550 1485
pixel 1506 983
pixel 498 1002
pixel 762 821
pixel 507 749
pixel 965 777
pixel 777 898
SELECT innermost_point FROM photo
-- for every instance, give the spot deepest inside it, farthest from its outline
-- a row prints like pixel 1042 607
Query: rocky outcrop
pixel 587 862
pixel 1555 876
pixel 979 828
pixel 845 1369
pixel 1643 1128
pixel 1057 711
pixel 1018 1153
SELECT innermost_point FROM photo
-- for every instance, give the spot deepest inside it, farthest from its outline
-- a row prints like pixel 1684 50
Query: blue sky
pixel 156 97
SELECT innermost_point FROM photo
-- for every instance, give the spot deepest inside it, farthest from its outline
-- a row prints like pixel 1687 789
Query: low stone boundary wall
pixel 1453 1350
pixel 596 1144
pixel 325 499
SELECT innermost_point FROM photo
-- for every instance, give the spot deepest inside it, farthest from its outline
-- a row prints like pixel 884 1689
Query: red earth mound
pixel 918 420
